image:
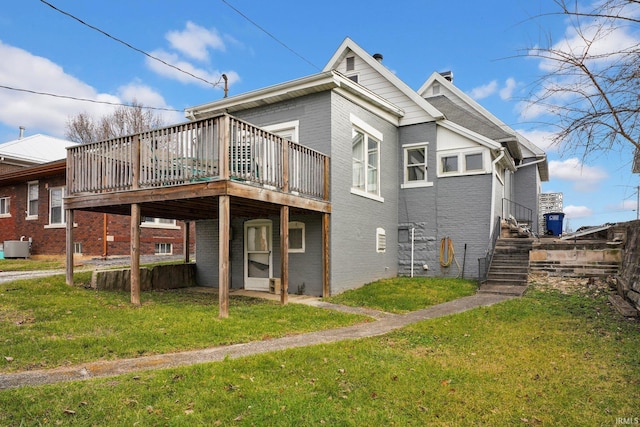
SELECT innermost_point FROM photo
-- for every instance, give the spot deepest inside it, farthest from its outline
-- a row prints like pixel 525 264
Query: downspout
pixel 530 163
pixel 413 234
pixel 493 188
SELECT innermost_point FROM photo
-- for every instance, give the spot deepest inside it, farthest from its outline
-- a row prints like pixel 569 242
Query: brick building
pixel 31 208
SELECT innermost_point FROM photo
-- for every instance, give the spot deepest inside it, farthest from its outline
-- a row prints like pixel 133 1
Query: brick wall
pixel 48 240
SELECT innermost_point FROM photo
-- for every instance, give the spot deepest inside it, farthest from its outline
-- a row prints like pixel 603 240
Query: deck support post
pixel 224 223
pixel 186 241
pixel 284 254
pixel 135 254
pixel 69 247
pixel 326 284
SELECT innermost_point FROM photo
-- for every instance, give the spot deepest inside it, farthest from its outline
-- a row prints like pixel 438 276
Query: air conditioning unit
pixel 16 249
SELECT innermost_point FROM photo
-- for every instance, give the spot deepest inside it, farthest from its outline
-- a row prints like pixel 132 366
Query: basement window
pixel 77 248
pixel 164 248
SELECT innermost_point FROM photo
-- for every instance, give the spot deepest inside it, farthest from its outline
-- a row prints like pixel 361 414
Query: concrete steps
pixel 509 270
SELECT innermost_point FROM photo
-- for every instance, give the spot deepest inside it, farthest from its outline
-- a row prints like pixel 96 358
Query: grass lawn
pixel 44 323
pixel 405 294
pixel 545 359
pixel 31 264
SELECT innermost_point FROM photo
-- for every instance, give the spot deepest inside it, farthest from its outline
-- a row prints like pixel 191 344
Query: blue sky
pixel 484 43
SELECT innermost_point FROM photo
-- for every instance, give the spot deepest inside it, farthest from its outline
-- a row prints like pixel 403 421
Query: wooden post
pixel 224 222
pixel 284 254
pixel 135 179
pixel 224 140
pixel 135 254
pixel 69 247
pixel 285 165
pixel 326 284
pixel 326 179
pixel 186 241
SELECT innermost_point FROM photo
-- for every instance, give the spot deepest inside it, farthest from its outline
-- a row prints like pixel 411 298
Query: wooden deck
pixel 174 172
pixel 214 168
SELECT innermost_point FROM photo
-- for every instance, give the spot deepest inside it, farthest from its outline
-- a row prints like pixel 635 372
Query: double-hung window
pixel 296 237
pixel 56 208
pixel 32 199
pixel 415 165
pixel 152 222
pixel 365 149
pixel 4 206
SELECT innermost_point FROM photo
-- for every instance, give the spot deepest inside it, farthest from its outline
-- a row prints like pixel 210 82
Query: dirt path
pixel 385 323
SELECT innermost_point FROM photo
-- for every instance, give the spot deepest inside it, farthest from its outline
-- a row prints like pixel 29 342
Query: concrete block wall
pixel 575 259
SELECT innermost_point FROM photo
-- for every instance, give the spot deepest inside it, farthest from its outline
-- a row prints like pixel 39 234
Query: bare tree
pixel 125 120
pixel 591 83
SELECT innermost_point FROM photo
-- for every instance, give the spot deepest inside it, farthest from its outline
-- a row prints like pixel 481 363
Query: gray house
pixel 332 181
pixel 408 169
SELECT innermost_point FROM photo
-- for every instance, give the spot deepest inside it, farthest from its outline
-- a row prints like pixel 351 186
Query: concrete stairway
pixel 509 268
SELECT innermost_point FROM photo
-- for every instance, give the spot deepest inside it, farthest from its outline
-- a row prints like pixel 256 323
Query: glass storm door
pixel 257 254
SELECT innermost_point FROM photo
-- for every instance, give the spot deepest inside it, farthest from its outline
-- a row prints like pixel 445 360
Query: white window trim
pixel 149 224
pixel 279 128
pixel 7 205
pixel 363 126
pixel 63 213
pixel 415 184
pixel 460 154
pixel 31 215
pixel 298 225
pixel 165 244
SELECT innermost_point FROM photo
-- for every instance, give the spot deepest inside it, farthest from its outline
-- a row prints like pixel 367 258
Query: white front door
pixel 257 254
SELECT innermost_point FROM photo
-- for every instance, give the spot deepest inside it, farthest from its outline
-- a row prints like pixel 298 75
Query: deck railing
pixel 191 152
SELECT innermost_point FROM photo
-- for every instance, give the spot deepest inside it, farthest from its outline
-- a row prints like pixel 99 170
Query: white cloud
pixel 584 178
pixel 23 70
pixel 507 91
pixel 194 41
pixel 482 92
pixel 214 77
pixel 573 212
pixel 40 113
pixel 146 96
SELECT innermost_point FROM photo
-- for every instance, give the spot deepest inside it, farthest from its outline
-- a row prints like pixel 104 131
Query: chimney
pixel 378 57
pixel 21 132
pixel 448 75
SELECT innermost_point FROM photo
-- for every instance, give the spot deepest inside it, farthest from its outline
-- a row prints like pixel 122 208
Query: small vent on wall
pixel 381 240
pixel 351 63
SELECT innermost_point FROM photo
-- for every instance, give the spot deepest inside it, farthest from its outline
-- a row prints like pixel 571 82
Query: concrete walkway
pixel 386 322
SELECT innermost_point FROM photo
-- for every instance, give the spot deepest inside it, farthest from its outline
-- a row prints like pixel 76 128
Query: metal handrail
pixel 484 263
pixel 521 213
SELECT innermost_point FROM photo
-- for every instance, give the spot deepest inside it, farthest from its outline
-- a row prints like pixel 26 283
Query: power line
pixel 130 46
pixel 270 35
pixel 118 104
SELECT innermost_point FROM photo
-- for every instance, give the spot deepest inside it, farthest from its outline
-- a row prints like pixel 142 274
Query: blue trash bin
pixel 554 223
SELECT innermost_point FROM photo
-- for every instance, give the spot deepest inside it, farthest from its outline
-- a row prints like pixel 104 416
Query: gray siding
pixel 454 207
pixel 313 112
pixel 305 269
pixel 526 184
pixel 354 219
